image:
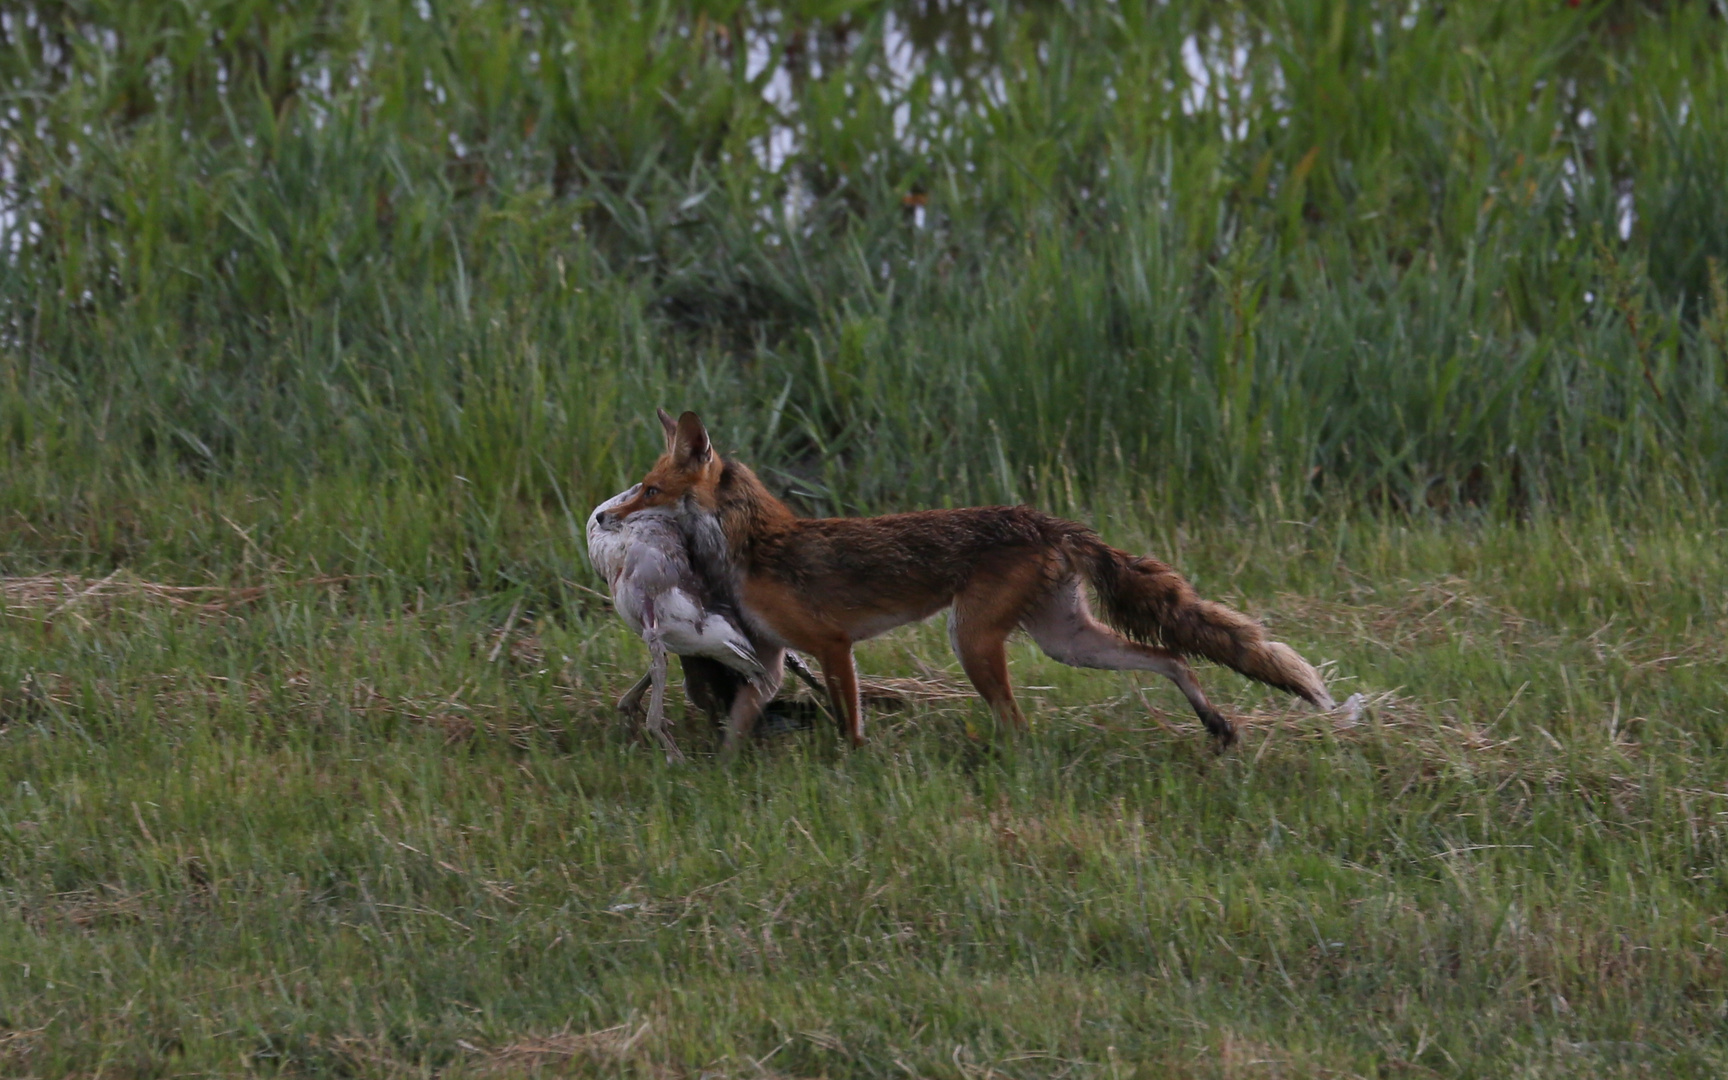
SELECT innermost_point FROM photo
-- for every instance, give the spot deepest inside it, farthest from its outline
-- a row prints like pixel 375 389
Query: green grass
pixel 324 836
pixel 346 313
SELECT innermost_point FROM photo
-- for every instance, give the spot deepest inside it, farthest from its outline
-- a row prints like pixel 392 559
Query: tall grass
pixel 1218 255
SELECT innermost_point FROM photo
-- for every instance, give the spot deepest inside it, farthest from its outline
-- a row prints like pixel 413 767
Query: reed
pixel 1210 255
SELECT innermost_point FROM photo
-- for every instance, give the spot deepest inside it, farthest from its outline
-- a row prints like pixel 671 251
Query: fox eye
pixel 650 491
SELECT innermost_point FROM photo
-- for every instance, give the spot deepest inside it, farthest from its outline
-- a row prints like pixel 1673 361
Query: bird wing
pixel 742 649
pixel 691 630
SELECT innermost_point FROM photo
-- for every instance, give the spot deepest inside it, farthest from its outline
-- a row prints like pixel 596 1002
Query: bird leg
pixel 631 703
pixel 712 687
pixel 656 723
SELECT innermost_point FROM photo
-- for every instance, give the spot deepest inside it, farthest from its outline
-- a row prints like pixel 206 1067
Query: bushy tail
pixel 1148 601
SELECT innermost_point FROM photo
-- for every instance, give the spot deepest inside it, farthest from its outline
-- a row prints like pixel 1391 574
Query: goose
pixel 659 594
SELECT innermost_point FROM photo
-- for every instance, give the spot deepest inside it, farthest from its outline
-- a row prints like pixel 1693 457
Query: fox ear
pixel 671 427
pixel 690 446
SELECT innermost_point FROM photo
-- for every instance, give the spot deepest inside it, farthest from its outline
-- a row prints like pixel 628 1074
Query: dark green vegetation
pixel 1405 326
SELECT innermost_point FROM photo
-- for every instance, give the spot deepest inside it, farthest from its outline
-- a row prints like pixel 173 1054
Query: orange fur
pixel 821 584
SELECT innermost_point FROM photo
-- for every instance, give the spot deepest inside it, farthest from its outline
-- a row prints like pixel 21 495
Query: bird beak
pixel 609 519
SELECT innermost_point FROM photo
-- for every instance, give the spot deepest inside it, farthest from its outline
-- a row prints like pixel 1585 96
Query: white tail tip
pixel 1351 711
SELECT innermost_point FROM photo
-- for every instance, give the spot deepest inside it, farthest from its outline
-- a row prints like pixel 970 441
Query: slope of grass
pixel 318 833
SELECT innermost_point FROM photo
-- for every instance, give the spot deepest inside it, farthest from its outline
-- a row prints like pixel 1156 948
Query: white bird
pixel 659 595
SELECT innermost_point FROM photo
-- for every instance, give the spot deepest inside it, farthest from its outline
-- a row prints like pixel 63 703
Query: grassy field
pixel 1404 326
pixel 323 833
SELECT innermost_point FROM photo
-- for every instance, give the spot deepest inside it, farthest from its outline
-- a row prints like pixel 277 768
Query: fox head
pixel 689 469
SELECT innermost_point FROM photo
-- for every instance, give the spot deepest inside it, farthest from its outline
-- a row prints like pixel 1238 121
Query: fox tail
pixel 1151 603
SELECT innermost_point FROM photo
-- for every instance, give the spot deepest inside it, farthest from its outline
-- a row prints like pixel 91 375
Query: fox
pixel 821 585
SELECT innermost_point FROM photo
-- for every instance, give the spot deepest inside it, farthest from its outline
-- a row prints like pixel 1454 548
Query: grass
pixel 322 325
pixel 316 832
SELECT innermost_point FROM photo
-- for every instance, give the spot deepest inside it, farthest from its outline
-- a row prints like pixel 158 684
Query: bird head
pixel 603 519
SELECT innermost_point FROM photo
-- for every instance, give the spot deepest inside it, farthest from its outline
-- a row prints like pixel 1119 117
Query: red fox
pixel 821 584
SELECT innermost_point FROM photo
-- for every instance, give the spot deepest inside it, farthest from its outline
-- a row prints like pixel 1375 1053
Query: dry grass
pixel 892 692
pixel 46 597
pixel 1403 615
pixel 562 1050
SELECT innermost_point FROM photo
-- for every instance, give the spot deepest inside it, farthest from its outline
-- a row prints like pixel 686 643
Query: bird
pixel 660 595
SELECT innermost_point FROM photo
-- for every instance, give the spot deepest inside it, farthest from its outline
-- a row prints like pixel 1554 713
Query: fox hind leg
pixel 1063 626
